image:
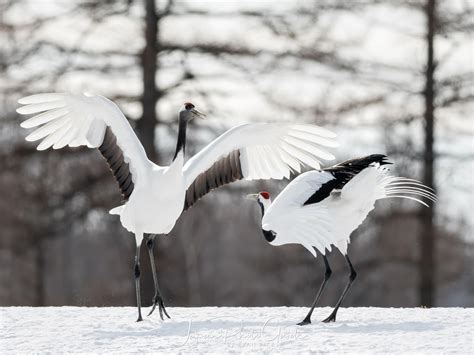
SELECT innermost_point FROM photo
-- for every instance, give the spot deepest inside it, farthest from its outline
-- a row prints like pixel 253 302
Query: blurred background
pixel 388 77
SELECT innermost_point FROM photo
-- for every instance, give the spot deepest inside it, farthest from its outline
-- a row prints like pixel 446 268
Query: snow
pixel 233 329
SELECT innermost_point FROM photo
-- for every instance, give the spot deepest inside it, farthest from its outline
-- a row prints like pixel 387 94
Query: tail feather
pixel 411 189
pixel 358 198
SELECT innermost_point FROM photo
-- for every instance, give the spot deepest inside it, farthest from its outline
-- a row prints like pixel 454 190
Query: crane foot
pixel 331 318
pixel 158 300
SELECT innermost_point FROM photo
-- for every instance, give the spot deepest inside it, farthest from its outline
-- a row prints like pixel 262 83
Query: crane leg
pixel 136 274
pixel 352 276
pixel 157 298
pixel 327 275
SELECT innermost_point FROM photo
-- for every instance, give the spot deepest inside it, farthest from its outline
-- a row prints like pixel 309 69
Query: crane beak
pixel 198 114
pixel 253 197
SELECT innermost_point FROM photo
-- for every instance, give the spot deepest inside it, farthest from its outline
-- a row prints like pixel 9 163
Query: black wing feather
pixel 114 157
pixel 343 173
pixel 222 172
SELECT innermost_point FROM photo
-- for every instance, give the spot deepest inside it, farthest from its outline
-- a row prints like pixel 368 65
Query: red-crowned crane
pixel 320 209
pixel 155 196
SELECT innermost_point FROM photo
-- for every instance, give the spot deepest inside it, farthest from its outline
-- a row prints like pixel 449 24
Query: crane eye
pixel 188 106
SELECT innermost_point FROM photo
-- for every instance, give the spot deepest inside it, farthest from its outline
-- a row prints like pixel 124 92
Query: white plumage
pixel 331 221
pixel 75 120
pixel 155 194
pixel 267 151
pixel 320 209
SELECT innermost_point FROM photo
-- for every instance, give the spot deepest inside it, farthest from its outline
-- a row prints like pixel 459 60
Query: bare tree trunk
pixel 147 124
pixel 40 272
pixel 427 266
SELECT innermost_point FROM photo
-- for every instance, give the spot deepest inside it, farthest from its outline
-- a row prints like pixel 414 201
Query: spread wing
pixel 255 151
pixel 87 120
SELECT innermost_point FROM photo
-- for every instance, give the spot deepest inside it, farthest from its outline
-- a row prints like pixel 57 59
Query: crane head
pixel 188 111
pixel 260 197
pixel 264 201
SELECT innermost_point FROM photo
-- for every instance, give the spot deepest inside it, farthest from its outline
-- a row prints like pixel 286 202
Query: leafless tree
pixel 51 241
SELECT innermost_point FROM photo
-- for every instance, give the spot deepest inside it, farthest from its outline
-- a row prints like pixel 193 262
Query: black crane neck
pixel 181 143
pixel 262 208
pixel 269 235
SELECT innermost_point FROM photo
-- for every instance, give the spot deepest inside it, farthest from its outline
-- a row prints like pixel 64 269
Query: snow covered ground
pixel 230 329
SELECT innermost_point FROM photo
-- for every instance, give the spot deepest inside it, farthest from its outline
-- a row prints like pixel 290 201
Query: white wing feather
pixel 308 225
pixel 299 190
pixel 75 120
pixel 267 150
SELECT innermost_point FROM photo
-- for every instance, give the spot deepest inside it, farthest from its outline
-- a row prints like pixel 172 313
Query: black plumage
pixel 343 173
pixel 114 157
pixel 222 172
